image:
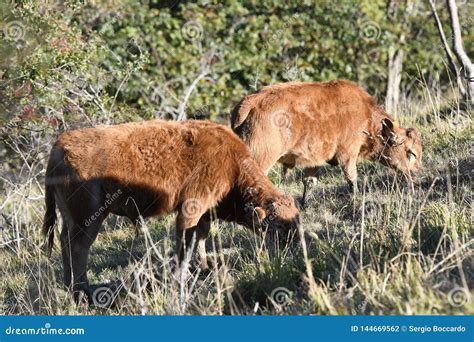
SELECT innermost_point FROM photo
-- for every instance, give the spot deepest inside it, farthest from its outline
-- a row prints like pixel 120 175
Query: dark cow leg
pixel 185 239
pixel 202 231
pixel 191 239
pixel 188 219
pixel 284 173
pixel 309 180
pixel 80 229
pixel 80 246
pixel 75 246
pixel 66 254
pixel 65 238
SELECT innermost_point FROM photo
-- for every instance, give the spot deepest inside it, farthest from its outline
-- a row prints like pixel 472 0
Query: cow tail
pixel 49 217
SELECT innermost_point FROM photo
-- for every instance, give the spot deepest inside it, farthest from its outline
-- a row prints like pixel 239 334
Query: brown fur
pixel 308 124
pixel 154 168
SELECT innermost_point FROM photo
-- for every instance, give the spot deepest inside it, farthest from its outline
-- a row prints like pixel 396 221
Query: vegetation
pixel 390 250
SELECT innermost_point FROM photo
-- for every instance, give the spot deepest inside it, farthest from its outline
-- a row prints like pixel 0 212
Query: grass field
pixel 390 250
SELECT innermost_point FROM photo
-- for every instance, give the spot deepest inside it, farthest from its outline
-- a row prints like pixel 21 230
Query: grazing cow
pixel 200 169
pixel 308 124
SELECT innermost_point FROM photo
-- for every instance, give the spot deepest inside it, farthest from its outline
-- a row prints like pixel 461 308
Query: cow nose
pixel 417 168
pixel 295 221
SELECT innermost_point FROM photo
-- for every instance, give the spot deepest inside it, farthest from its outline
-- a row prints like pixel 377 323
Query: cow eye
pixel 411 154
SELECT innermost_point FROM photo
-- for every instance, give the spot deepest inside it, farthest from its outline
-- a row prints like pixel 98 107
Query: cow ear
pixel 388 131
pixel 259 214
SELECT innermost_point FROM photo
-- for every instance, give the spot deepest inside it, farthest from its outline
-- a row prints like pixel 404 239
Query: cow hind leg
pixel 65 239
pixel 80 252
pixel 76 244
pixel 83 213
pixel 309 181
pixel 202 231
pixel 66 255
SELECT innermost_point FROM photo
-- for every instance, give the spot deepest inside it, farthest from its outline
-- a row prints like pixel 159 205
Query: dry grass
pixel 391 250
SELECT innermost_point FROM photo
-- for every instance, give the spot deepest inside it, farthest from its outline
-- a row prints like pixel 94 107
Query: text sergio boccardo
pixel 410 328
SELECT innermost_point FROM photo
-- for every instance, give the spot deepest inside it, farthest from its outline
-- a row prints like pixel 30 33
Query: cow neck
pixel 254 186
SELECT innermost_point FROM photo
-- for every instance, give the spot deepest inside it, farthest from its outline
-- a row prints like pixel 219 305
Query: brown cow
pixel 154 168
pixel 309 124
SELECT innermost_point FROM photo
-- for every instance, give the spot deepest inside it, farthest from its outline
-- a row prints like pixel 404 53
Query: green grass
pixel 390 250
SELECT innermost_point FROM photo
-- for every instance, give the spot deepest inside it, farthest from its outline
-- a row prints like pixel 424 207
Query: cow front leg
pixel 350 173
pixel 202 232
pixel 76 245
pixel 185 244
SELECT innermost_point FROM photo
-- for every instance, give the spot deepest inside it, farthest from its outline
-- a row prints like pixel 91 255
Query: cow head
pixel 401 147
pixel 279 217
